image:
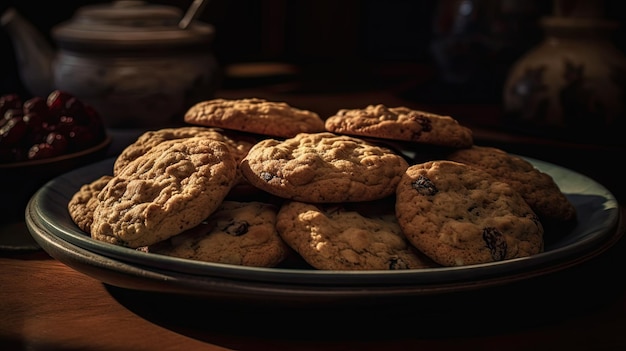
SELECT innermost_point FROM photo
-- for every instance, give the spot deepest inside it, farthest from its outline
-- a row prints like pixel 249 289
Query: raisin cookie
pixel 146 141
pixel 83 203
pixel 253 115
pixel 401 123
pixel 169 189
pixel 323 167
pixel 458 215
pixel 536 187
pixel 333 237
pixel 238 233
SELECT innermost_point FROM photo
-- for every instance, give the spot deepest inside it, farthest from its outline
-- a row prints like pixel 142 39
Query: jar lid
pixel 129 24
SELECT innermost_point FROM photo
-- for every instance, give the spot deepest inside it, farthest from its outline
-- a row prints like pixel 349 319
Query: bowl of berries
pixel 41 138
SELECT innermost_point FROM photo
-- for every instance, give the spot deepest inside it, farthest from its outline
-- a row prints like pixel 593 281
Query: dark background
pixel 339 35
pixel 350 45
pixel 346 41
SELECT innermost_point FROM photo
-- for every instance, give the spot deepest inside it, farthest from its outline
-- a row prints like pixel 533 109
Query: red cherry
pixel 12 132
pixel 65 125
pixel 57 141
pixel 36 104
pixel 41 151
pixel 82 137
pixel 57 101
pixel 76 108
pixel 9 101
pixel 33 119
pixel 12 112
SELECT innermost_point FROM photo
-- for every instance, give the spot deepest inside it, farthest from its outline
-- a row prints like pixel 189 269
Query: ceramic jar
pixel 129 59
pixel 572 85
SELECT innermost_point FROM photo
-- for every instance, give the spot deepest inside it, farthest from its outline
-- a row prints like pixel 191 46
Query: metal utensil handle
pixel 194 10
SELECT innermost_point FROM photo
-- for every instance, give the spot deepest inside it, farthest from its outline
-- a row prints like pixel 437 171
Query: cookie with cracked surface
pixel 239 145
pixel 254 115
pixel 459 215
pixel 171 188
pixel 401 123
pixel 536 187
pixel 323 167
pixel 238 233
pixel 83 203
pixel 337 237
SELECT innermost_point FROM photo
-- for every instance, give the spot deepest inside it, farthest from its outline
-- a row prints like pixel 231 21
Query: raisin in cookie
pixel 536 187
pixel 459 215
pixel 238 233
pixel 401 123
pixel 239 146
pixel 169 189
pixel 333 237
pixel 83 203
pixel 323 167
pixel 259 116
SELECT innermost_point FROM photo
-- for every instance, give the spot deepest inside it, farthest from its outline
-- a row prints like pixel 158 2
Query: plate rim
pixel 130 276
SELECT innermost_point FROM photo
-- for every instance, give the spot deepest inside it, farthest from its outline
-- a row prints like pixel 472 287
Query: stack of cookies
pixel 254 182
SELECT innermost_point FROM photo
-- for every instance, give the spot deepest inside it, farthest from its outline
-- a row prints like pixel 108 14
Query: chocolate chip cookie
pixel 238 233
pixel 401 123
pixel 254 115
pixel 239 145
pixel 536 187
pixel 459 215
pixel 171 188
pixel 323 167
pixel 335 237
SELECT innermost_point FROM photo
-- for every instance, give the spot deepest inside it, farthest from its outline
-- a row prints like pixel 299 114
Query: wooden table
pixel 46 305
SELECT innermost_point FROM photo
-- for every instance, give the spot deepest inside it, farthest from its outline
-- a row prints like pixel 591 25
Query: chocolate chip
pixel 237 228
pixel 495 242
pixel 397 263
pixel 266 176
pixel 424 186
pixel 425 124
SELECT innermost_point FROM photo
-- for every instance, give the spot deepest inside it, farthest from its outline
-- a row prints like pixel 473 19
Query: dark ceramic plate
pixel 50 225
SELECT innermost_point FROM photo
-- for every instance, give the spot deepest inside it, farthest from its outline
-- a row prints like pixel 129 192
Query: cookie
pixel 334 237
pixel 171 188
pixel 459 215
pixel 83 203
pixel 401 123
pixel 323 168
pixel 239 146
pixel 538 188
pixel 259 116
pixel 238 233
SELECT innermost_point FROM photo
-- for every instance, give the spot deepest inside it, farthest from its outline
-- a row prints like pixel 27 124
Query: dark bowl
pixel 20 180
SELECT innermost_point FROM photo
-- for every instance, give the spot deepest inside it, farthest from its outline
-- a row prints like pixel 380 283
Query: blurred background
pixel 449 56
pixel 426 47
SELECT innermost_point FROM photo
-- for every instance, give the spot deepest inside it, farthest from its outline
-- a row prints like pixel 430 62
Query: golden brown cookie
pixel 401 123
pixel 83 203
pixel 459 214
pixel 239 146
pixel 259 116
pixel 337 237
pixel 536 187
pixel 238 233
pixel 169 189
pixel 323 167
